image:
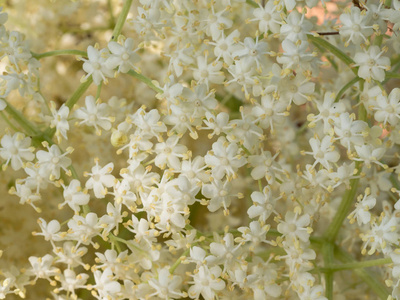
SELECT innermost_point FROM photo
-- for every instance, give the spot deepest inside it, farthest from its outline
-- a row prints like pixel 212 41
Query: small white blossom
pixel 100 179
pixel 96 66
pixel 16 149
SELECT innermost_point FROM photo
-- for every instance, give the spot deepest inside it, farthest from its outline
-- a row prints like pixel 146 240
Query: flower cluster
pixel 214 150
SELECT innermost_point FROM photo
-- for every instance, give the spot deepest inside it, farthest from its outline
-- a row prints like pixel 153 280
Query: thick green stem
pixel 146 80
pixel 343 209
pixel 378 288
pixel 121 20
pixel 111 12
pixel 390 75
pixel 346 87
pixel 320 42
pixel 178 262
pixel 59 52
pixel 327 250
pixel 8 121
pixel 252 3
pixel 21 120
pixel 357 265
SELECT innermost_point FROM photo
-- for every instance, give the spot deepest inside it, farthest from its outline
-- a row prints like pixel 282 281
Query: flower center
pixel 125 56
pixel 267 17
pixel 297 28
pixel 167 150
pixel 204 73
pixel 14 150
pixel 223 47
pixel 292 228
pixel 224 161
pixel 293 88
pixel 96 66
pixel 356 27
pixel 223 193
pixel 371 62
pixel 320 154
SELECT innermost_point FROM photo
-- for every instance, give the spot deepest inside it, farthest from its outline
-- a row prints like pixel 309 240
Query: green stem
pixel 327 250
pixel 344 89
pixel 59 52
pixel 390 75
pixel 99 90
pixel 8 122
pixel 343 209
pixel 252 3
pixel 115 242
pixel 178 261
pixel 21 120
pixel 146 80
pixel 78 93
pixel 317 41
pixel 358 264
pixel 121 20
pixel 378 288
pixel 111 12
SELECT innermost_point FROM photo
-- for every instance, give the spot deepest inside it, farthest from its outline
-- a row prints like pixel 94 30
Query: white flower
pixel 355 26
pixel 225 46
pixel 371 64
pixel 370 154
pixel 59 120
pixel 167 286
pixel 323 151
pixel 253 52
pixel 383 235
pixel 268 17
pixel 206 283
pixel 264 166
pixel 295 56
pixel 350 132
pixel 96 65
pixel 123 56
pixel 105 285
pixel 327 112
pixel 70 282
pixel 16 149
pixel 226 252
pixel 169 152
pixel 217 124
pixel 83 229
pixel 149 123
pixel 71 255
pixel 220 194
pixel 42 267
pixel 246 131
pixel 100 179
pixel 50 231
pixel 361 212
pixel 296 28
pixel 74 196
pixel 208 73
pixel 254 234
pixel 52 161
pixel 26 195
pixel 294 227
pixel 387 109
pixel 95 114
pixel 3 104
pixel 263 205
pixel 216 23
pixel 224 159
